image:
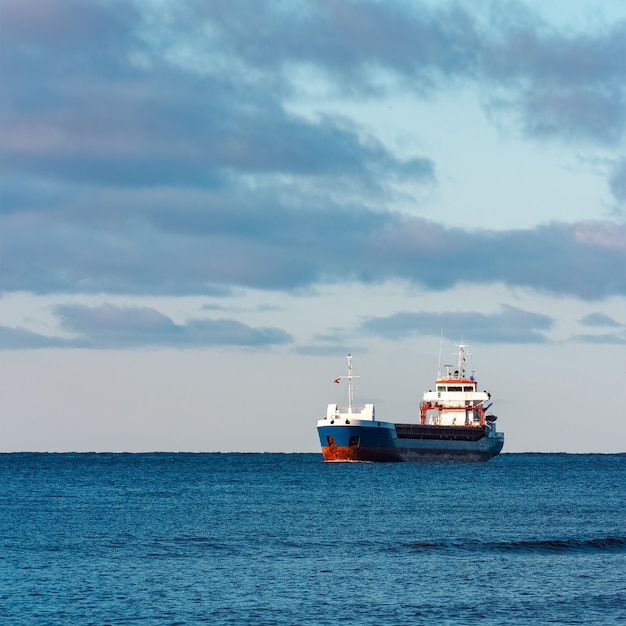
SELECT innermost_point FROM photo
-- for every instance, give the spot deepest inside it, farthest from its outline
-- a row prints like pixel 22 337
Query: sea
pixel 286 539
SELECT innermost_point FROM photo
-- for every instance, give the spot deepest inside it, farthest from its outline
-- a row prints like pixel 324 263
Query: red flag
pixel 337 380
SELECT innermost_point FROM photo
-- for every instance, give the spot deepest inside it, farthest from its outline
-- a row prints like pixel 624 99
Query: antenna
pixel 350 386
pixel 439 362
pixel 461 364
pixel 350 392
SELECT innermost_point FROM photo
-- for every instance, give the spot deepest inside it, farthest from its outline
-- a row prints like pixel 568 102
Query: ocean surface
pixel 287 539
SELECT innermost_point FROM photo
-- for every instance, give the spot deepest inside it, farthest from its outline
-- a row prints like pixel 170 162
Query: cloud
pixel 348 38
pixel 610 339
pixel 108 325
pixel 150 149
pixel 561 85
pixel 191 137
pixel 111 327
pixel 137 94
pixel 510 325
pixel 617 182
pixel 21 339
pixel 137 243
pixel 572 114
pixel 604 322
pixel 130 94
pixel 599 319
pixel 113 121
pixel 62 23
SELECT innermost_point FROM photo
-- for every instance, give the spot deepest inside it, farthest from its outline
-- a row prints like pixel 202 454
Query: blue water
pixel 286 539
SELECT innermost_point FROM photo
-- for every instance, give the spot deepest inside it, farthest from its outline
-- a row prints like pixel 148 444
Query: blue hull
pixel 424 444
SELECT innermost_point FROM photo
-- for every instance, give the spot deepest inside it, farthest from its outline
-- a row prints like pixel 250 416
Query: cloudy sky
pixel 206 204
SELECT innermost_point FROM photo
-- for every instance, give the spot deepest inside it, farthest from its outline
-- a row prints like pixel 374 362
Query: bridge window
pixel 455 388
pixel 467 388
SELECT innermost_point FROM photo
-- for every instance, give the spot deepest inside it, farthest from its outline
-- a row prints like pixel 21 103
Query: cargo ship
pixel 452 424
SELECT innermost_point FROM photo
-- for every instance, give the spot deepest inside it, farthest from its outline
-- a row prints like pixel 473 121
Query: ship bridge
pixel 455 400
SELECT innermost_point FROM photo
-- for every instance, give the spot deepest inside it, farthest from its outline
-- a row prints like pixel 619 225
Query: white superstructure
pixel 455 401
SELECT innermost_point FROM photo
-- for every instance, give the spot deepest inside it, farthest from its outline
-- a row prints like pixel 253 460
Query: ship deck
pixel 441 433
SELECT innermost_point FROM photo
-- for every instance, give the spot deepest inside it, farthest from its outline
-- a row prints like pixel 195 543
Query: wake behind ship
pixel 453 425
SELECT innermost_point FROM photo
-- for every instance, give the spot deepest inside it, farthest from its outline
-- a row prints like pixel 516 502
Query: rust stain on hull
pixel 354 453
pixel 340 453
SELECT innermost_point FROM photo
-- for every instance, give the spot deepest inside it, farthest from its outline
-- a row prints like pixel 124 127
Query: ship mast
pixel 461 363
pixel 350 385
pixel 350 391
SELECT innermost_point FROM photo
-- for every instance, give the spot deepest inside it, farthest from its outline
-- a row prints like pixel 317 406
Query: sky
pixel 206 205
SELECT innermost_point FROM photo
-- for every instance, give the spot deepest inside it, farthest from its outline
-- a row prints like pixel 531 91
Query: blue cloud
pixel 152 150
pixel 610 339
pixel 193 249
pixel 108 327
pixel 617 182
pixel 110 98
pixel 510 325
pixel 21 339
pixel 600 319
